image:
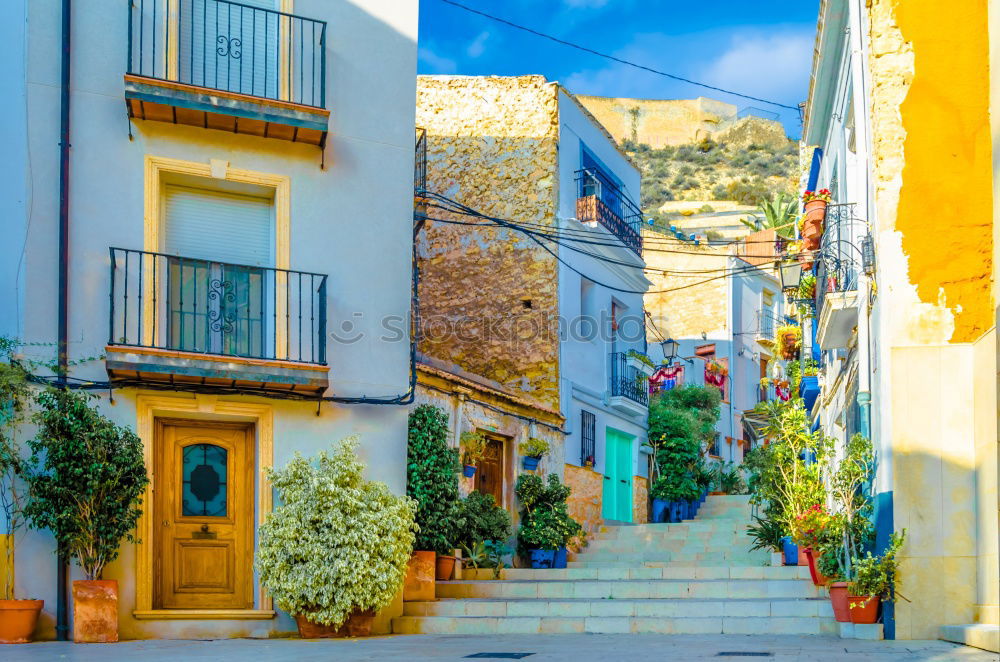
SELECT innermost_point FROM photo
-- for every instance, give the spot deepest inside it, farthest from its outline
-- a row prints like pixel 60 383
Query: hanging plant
pixel 823 194
pixel 788 338
pixel 716 373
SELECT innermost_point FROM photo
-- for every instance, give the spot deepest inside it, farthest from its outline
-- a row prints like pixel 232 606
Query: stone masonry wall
pixel 489 295
pixel 584 503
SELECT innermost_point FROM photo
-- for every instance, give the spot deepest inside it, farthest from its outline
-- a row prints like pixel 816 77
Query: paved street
pixel 577 648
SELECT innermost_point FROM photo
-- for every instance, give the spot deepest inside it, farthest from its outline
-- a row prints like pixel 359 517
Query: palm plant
pixel 779 213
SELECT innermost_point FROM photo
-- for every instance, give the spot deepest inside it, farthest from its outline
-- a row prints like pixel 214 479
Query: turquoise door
pixel 617 493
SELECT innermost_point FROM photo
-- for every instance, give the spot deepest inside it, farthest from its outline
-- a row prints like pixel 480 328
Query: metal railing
pixel 588 436
pixel 420 171
pixel 839 260
pixel 627 380
pixel 229 46
pixel 767 322
pixel 178 303
pixel 601 200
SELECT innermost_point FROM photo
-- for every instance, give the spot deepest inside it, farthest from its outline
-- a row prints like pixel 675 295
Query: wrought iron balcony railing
pixel 627 380
pixel 767 322
pixel 229 46
pixel 839 259
pixel 602 201
pixel 177 303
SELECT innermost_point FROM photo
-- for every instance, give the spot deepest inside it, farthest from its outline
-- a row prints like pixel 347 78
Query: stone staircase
pixel 697 577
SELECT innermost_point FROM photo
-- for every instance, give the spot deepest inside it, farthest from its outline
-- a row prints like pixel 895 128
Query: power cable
pixel 618 59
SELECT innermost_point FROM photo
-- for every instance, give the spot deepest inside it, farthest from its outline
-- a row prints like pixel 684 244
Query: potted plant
pixel 788 338
pixel 18 617
pixel 769 535
pixel 640 362
pixel 432 480
pixel 588 462
pixel 317 555
pixel 811 226
pixel 546 527
pixel 533 450
pixel 807 286
pixel 828 565
pixel 473 446
pixel 810 530
pixel 874 580
pixel 489 554
pixel 85 485
pixel 484 521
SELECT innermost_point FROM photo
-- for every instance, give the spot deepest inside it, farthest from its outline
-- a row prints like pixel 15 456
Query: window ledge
pixel 203 614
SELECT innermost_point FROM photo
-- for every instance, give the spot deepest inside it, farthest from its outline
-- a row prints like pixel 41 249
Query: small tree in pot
pixel 17 617
pixel 336 550
pixel 86 486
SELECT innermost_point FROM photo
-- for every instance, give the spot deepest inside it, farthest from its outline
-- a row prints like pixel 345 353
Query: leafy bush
pixel 533 447
pixel 545 521
pixel 767 534
pixel 14 398
pixel 484 521
pixel 432 480
pixel 337 543
pixel 86 480
pixel 681 421
pixel 877 575
pixel 473 446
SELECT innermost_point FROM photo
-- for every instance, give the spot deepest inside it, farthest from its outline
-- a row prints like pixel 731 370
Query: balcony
pixel 767 322
pixel 599 200
pixel 223 65
pixel 214 326
pixel 629 385
pixel 837 272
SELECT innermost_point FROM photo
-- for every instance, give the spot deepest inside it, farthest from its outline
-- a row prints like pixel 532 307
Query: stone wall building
pixel 540 315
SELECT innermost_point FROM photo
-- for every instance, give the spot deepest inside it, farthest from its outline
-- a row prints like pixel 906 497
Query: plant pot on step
pixel 418 586
pixel 812 558
pixel 95 611
pixel 841 605
pixel 864 609
pixel 559 560
pixel 791 551
pixel 445 567
pixel 661 510
pixel 468 471
pixel 542 558
pixel 777 559
pixel 18 619
pixel 802 560
pixel 530 463
pixel 358 624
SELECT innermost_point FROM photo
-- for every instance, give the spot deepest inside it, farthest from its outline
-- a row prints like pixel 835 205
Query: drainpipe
pixel 63 304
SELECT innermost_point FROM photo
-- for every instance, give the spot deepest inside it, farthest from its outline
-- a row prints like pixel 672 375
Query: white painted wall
pixel 351 221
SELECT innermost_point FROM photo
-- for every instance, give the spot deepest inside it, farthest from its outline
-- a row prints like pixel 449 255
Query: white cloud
pixel 435 64
pixel 478 45
pixel 772 66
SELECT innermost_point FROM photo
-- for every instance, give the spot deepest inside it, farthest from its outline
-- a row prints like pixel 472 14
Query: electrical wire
pixel 618 59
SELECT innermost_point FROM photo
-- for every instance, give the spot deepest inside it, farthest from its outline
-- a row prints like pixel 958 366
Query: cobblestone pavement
pixel 543 648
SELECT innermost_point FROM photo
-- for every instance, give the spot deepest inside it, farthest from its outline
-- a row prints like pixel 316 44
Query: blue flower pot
pixel 468 471
pixel 661 510
pixel 530 463
pixel 791 551
pixel 673 511
pixel 560 559
pixel 543 558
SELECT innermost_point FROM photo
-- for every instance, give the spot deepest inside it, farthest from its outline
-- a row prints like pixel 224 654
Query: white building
pixel 239 212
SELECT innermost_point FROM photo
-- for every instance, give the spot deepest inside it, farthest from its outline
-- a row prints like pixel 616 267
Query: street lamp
pixel 669 347
pixel 791 273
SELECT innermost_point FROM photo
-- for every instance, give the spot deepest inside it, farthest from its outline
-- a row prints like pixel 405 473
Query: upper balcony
pixel 767 322
pixel 223 65
pixel 629 383
pixel 217 326
pixel 600 200
pixel 838 268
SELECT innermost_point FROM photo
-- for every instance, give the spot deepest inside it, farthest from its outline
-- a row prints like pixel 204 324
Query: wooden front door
pixel 203 507
pixel 489 474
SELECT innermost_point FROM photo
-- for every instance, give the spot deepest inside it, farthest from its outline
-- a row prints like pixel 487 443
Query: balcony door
pixel 237 47
pixel 219 291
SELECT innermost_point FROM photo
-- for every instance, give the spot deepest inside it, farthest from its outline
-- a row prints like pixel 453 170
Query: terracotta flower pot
pixel 358 624
pixel 95 611
pixel 841 605
pixel 864 610
pixel 802 556
pixel 18 619
pixel 445 567
pixel 815 211
pixel 806 259
pixel 418 586
pixel 818 578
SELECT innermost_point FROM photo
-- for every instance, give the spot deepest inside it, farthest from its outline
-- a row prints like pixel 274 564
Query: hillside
pixel 709 171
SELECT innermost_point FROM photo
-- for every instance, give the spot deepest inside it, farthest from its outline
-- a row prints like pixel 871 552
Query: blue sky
pixel 758 47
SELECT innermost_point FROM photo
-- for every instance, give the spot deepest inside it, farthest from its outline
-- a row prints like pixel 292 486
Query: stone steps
pixel 788 573
pixel 628 589
pixel 732 557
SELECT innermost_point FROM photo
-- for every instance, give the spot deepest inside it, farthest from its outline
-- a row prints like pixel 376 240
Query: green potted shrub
pixel 85 485
pixel 473 446
pixel 18 617
pixel 768 534
pixel 874 581
pixel 533 450
pixel 335 551
pixel 432 480
pixel 546 527
pixel 486 532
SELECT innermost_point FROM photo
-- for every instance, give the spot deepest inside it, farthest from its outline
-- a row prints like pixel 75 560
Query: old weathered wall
pixel 584 503
pixel 701 306
pixel 489 295
pixel 659 122
pixel 640 499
